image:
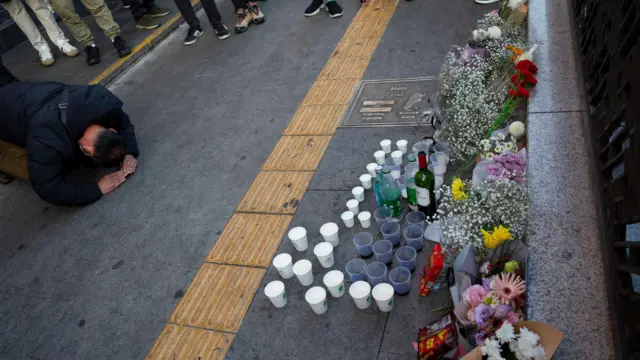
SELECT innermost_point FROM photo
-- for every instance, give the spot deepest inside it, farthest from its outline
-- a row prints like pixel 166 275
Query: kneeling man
pixel 48 129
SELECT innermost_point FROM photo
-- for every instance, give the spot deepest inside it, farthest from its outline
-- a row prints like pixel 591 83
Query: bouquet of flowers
pixel 498 143
pixel 508 166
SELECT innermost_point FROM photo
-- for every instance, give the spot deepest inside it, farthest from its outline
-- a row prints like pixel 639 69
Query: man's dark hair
pixel 109 148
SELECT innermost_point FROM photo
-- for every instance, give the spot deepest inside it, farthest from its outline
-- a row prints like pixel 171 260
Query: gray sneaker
pixel 146 22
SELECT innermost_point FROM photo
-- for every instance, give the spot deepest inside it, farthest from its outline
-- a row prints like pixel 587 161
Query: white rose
pixel 517 129
pixel 494 32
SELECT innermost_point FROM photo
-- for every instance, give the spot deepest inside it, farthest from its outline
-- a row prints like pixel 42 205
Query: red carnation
pixel 527 65
pixel 523 92
pixel 531 80
pixel 525 72
pixel 512 92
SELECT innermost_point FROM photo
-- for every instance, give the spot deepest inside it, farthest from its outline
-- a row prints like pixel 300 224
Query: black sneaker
pixel 122 46
pixel 334 9
pixel 221 31
pixel 314 8
pixel 93 54
pixel 192 35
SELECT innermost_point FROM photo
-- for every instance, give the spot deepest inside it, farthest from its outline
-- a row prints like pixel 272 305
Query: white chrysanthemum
pixel 501 136
pixel 527 339
pixel 506 333
pixel 499 149
pixel 514 3
pixel 494 32
pixel 517 129
pixel 488 156
pixel 509 146
pixel 485 142
pixel 486 148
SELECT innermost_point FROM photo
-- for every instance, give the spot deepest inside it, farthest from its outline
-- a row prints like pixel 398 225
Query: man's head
pixel 104 146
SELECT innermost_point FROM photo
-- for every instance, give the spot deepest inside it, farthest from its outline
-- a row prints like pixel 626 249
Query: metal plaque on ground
pixel 399 102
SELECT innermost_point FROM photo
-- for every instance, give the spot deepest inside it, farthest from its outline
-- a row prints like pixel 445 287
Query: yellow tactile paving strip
pixel 218 297
pixel 297 153
pixel 181 342
pixel 203 324
pixel 249 239
pixel 276 192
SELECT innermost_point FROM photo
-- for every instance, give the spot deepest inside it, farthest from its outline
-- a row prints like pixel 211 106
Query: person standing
pixel 145 12
pixel 195 30
pixel 248 13
pixel 19 14
pixel 101 13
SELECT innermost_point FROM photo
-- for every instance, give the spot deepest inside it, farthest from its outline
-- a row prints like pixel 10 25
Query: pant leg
pixel 48 21
pixel 103 17
pixel 6 77
pixel 19 14
pixel 212 11
pixel 13 160
pixel 140 7
pixel 188 14
pixel 239 4
pixel 71 18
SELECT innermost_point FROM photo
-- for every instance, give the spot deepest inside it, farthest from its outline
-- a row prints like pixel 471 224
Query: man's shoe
pixel 257 17
pixel 68 49
pixel 158 12
pixel 192 35
pixel 146 22
pixel 46 57
pixel 244 19
pixel 334 9
pixel 93 54
pixel 121 46
pixel 221 31
pixel 5 178
pixel 314 8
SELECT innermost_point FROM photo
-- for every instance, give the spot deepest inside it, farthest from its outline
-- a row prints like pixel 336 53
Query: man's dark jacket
pixel 30 118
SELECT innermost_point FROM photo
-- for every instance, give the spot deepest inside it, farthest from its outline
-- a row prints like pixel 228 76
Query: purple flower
pixel 483 314
pixel 502 311
pixel 486 282
pixel 479 337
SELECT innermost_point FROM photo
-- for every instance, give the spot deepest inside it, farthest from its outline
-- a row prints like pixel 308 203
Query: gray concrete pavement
pixel 99 282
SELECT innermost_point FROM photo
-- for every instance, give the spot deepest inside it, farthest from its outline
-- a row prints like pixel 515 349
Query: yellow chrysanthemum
pixel 457 189
pixel 496 237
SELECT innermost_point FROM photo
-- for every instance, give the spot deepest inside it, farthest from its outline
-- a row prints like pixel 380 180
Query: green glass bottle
pixel 425 184
pixel 391 194
pixel 410 172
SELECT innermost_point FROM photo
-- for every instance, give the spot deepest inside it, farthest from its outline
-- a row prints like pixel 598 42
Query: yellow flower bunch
pixel 457 189
pixel 493 239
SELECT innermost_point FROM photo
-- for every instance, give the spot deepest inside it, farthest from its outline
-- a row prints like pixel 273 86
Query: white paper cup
pixel 397 157
pixel 365 219
pixel 329 232
pixel 317 298
pixel 385 145
pixel 360 291
pixel 383 294
pixel 348 219
pixel 358 193
pixel 402 145
pixel 275 292
pixel 303 270
pixel 284 265
pixel 354 206
pixel 334 281
pixel 324 252
pixel 371 168
pixel 298 237
pixel 365 180
pixel 380 157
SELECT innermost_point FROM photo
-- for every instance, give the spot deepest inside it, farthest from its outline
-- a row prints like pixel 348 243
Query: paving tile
pixel 315 119
pixel 249 239
pixel 330 92
pixel 345 160
pixel 218 297
pixel 276 192
pixel 297 153
pixel 345 68
pixel 180 342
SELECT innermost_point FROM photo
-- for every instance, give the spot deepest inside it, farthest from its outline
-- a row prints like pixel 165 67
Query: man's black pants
pixel 6 77
pixel 140 7
pixel 210 9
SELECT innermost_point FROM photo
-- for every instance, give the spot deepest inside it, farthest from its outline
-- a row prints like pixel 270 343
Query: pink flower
pixel 474 294
pixel 513 317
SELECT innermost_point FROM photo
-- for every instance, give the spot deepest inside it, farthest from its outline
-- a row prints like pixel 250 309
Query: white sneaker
pixel 46 58
pixel 68 49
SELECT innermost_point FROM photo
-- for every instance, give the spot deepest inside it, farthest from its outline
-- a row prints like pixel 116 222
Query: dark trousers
pixel 140 7
pixel 210 9
pixel 6 77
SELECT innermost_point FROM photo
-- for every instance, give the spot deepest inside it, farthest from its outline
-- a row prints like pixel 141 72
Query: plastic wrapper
pixel 437 339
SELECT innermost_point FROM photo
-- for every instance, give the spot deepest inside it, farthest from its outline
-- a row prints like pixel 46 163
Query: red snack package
pixel 437 339
pixel 431 270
